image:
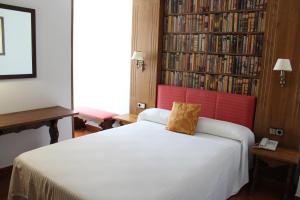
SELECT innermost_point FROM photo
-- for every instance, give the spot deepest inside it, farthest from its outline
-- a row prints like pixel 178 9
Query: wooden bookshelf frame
pixel 167 69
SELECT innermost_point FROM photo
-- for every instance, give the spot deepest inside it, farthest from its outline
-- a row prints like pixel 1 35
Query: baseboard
pixel 6 171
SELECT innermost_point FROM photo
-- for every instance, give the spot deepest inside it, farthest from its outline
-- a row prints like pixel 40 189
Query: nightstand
pixel 126 118
pixel 280 157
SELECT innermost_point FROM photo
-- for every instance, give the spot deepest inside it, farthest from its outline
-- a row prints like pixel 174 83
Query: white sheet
pixel 133 162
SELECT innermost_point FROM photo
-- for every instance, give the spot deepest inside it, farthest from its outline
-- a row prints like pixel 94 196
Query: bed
pixel 145 161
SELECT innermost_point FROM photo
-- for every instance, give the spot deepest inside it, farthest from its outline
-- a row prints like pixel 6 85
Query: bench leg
pixel 107 124
pixel 79 123
pixel 53 131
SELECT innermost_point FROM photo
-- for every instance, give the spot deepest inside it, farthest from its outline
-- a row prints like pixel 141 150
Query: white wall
pixel 53 83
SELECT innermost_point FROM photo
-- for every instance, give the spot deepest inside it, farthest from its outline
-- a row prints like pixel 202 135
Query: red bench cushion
pixel 93 113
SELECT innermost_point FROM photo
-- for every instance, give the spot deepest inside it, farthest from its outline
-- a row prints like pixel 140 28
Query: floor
pixel 87 130
pixel 4 185
pixel 263 192
pixel 79 133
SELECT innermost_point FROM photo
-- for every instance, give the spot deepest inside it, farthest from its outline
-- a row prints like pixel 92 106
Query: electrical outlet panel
pixel 272 131
pixel 276 131
pixel 141 105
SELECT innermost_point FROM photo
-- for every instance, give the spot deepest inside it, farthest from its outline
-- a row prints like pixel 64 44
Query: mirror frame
pixel 33 42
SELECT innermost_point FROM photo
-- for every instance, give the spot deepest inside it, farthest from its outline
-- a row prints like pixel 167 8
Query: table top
pixel 11 120
pixel 281 154
pixel 126 118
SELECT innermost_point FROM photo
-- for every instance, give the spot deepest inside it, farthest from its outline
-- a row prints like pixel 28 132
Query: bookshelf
pixel 213 44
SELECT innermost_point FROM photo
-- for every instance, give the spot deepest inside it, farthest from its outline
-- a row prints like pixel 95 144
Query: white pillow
pixel 204 125
pixel 224 129
pixel 156 115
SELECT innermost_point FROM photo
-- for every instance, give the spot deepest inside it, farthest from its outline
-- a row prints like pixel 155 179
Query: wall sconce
pixel 138 56
pixel 283 65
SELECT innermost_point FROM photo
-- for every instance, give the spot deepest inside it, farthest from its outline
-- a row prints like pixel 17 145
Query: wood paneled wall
pixel 276 107
pixel 280 107
pixel 146 36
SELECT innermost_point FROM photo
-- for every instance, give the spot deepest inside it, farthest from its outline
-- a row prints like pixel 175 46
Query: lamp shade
pixel 137 55
pixel 283 64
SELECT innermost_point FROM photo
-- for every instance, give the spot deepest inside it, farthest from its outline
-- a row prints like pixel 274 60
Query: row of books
pixel 236 44
pixel 223 5
pixel 234 85
pixel 184 62
pixel 185 6
pixel 198 6
pixel 197 42
pixel 237 65
pixel 186 23
pixel 233 44
pixel 220 83
pixel 185 79
pixel 237 22
pixel 224 22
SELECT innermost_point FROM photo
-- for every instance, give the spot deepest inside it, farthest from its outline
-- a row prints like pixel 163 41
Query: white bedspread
pixel 140 161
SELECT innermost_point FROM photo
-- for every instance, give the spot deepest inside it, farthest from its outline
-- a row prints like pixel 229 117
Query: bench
pixel 103 118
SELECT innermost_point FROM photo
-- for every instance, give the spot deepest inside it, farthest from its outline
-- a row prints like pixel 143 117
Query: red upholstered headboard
pixel 234 108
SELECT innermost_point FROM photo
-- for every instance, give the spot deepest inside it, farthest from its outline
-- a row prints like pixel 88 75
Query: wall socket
pixel 276 131
pixel 141 105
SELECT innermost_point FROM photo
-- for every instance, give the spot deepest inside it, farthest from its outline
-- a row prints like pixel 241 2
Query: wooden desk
pixel 33 119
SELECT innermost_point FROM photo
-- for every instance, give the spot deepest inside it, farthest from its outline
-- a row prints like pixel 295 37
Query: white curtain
pixel 102 48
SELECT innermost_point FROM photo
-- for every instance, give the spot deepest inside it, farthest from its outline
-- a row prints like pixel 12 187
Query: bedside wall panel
pixel 145 38
pixel 276 106
pixel 279 107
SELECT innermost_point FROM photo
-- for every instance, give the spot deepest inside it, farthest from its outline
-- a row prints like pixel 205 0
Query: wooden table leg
pixel 288 185
pixel 53 131
pixel 255 175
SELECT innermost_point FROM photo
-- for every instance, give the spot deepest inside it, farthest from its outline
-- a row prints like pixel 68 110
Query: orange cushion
pixel 183 118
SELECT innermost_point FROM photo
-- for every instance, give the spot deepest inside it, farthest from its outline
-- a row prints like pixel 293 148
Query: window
pixel 102 51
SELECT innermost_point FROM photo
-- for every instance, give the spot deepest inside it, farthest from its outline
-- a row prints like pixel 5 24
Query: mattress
pixel 133 162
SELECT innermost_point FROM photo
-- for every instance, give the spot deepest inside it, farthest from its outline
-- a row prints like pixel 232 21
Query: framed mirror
pixel 17 42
